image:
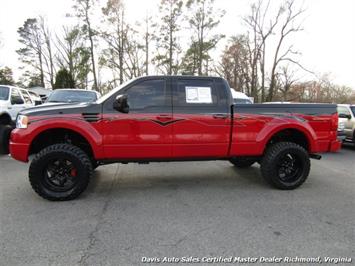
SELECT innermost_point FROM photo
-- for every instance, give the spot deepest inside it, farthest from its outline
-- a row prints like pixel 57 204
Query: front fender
pixel 88 130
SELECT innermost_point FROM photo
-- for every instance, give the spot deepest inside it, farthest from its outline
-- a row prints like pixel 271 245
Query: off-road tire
pixel 5 132
pixel 270 165
pixel 94 164
pixel 242 162
pixel 70 152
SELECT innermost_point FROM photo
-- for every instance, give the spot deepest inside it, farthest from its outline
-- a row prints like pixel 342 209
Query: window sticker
pixel 198 95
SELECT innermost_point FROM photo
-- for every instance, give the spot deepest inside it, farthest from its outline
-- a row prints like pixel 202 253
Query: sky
pixel 327 44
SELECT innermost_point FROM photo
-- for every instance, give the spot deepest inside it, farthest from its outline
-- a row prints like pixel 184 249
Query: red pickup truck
pixel 170 118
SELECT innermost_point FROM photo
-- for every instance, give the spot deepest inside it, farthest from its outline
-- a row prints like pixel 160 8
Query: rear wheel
pixel 242 162
pixel 5 131
pixel 60 172
pixel 285 165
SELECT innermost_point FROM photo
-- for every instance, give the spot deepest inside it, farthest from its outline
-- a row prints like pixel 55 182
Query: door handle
pixel 164 117
pixel 220 116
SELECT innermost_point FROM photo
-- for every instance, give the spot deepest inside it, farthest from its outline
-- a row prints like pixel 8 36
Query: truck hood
pixel 62 109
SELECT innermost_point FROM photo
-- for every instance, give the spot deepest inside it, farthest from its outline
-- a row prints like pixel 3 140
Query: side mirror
pixel 121 103
pixel 347 116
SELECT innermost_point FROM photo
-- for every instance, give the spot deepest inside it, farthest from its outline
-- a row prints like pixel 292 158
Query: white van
pixel 12 101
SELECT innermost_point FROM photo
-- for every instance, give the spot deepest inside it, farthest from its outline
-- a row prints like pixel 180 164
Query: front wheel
pixel 60 172
pixel 285 165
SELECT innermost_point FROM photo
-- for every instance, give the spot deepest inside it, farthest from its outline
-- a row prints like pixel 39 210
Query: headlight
pixel 22 121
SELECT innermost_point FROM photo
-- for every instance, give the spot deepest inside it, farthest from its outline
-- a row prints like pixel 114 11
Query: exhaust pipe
pixel 315 156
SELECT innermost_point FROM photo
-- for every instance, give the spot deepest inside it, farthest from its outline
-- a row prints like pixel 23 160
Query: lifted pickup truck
pixel 170 118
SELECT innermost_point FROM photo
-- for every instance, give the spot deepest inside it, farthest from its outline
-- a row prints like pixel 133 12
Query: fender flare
pixel 88 132
pixel 267 133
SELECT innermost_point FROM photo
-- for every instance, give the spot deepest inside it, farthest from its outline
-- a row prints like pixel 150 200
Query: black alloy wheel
pixel 60 172
pixel 285 165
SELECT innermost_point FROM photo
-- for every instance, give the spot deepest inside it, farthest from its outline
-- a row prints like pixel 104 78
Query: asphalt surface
pixel 200 209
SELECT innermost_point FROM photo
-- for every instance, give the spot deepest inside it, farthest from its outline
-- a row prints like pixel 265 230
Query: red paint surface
pixel 151 136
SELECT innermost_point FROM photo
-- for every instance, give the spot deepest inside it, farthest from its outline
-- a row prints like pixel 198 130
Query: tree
pixel 135 62
pixel 34 80
pixel 63 79
pixel 268 32
pixel 48 57
pixel 285 79
pixel 6 76
pixel 189 64
pixel 32 52
pixel 289 26
pixel 83 10
pixel 235 65
pixel 259 32
pixel 148 37
pixel 115 36
pixel 203 19
pixel 167 42
pixel 74 56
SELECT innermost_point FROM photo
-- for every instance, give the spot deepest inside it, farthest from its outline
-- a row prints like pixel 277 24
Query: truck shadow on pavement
pixel 348 146
pixel 174 176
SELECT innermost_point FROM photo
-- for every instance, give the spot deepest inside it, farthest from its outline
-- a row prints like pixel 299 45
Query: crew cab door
pixel 144 132
pixel 17 103
pixel 202 119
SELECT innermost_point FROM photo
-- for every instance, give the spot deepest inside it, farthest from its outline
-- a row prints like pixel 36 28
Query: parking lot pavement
pixel 179 209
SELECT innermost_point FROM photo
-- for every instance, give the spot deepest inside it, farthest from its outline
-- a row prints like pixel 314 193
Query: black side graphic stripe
pixel 62 118
pixel 167 122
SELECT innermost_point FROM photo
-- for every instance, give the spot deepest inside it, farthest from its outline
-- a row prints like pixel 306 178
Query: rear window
pixel 4 93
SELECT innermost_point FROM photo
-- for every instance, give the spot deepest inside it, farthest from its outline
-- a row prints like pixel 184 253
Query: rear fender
pixel 271 129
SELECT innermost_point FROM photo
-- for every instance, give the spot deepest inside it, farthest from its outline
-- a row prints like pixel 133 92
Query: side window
pixel 16 97
pixel 26 96
pixel 195 92
pixel 148 95
pixel 343 110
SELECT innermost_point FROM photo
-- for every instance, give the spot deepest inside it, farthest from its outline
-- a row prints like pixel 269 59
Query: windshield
pixel 242 101
pixel 71 96
pixel 4 93
pixel 112 92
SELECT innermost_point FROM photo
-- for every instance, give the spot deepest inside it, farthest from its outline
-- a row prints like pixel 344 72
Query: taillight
pixel 334 126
